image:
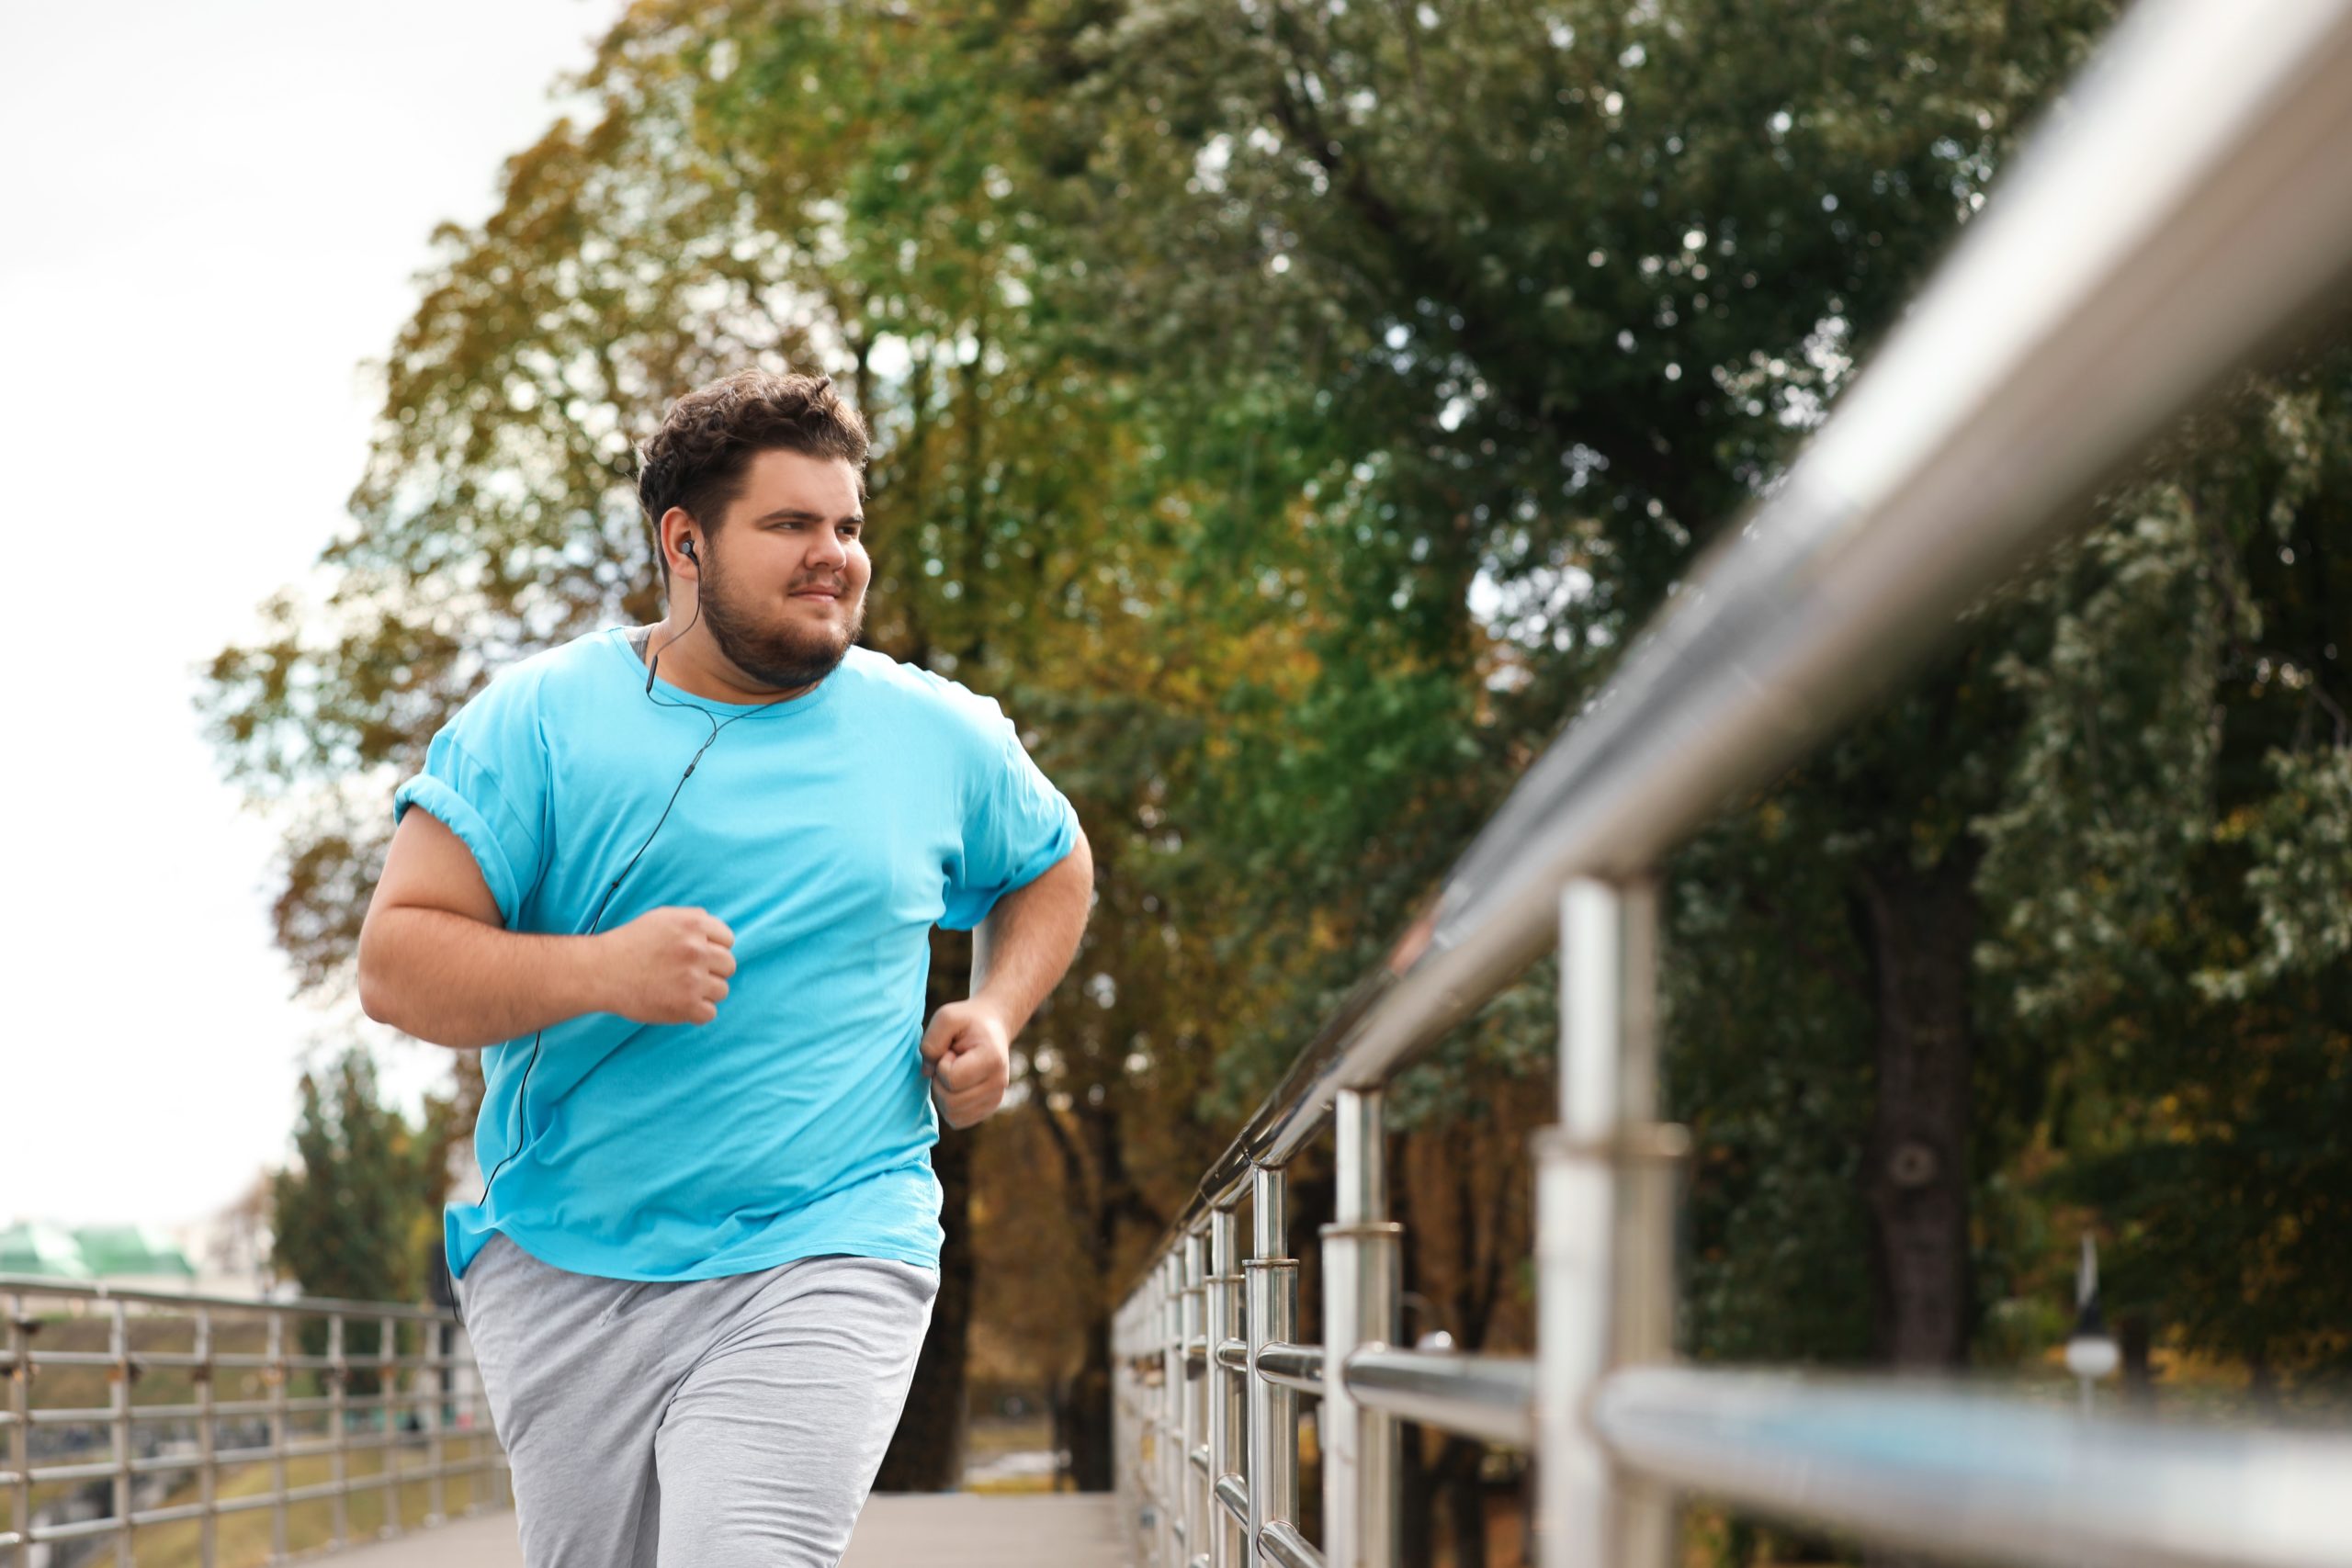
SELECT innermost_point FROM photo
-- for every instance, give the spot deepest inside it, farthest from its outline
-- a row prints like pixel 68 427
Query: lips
pixel 815 593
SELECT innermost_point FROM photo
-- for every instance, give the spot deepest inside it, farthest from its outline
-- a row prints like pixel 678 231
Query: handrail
pixel 1923 1465
pixel 2189 212
pixel 1297 1367
pixel 442 1401
pixel 315 1306
pixel 1478 1396
pixel 2181 220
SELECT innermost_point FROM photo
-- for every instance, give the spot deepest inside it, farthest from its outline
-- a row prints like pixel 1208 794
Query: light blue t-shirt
pixel 829 832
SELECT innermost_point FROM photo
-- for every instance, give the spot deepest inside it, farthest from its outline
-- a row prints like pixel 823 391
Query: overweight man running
pixel 676 883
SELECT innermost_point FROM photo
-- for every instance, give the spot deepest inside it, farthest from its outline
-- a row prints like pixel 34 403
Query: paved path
pixel 948 1530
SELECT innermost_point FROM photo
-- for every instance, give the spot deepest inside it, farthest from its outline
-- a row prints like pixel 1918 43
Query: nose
pixel 828 550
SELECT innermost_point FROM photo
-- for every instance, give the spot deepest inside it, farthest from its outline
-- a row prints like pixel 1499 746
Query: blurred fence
pixel 2188 210
pixel 163 1423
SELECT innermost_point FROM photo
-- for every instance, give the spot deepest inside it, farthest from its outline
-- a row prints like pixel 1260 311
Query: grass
pixel 242 1540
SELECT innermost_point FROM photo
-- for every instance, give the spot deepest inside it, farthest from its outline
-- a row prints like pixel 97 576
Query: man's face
pixel 783 580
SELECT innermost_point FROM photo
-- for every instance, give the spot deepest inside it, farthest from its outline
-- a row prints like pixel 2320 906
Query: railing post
pixel 1225 1543
pixel 21 1405
pixel 207 1444
pixel 1153 1404
pixel 1139 1345
pixel 1361 1288
pixel 119 1337
pixel 1272 1276
pixel 278 1376
pixel 387 1400
pixel 1127 1423
pixel 441 1346
pixel 1197 1501
pixel 337 1404
pixel 1604 1228
pixel 1171 1411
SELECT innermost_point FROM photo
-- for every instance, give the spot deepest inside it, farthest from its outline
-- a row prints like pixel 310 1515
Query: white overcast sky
pixel 210 213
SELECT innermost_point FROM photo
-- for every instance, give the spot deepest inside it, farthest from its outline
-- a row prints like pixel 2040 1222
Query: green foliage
pixel 2298 847
pixel 1293 415
pixel 2112 776
pixel 1764 1002
pixel 355 1217
pixel 2173 861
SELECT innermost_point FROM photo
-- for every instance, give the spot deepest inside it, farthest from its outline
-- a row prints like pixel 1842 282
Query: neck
pixel 691 661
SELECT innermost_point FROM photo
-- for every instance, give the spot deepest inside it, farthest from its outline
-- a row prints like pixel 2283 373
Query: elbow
pixel 392 987
pixel 378 995
pixel 375 1002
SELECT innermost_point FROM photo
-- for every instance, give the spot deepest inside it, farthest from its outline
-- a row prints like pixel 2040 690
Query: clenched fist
pixel 668 965
pixel 967 1055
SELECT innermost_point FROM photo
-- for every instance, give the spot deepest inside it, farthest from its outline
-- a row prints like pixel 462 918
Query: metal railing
pixel 427 1401
pixel 2187 214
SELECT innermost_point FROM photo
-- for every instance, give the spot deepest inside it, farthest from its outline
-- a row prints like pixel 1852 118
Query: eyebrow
pixel 856 517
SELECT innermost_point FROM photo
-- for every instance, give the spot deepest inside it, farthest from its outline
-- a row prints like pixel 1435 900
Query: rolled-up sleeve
pixel 485 780
pixel 1017 827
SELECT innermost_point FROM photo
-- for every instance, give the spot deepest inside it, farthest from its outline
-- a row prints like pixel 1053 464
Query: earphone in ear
pixel 653 665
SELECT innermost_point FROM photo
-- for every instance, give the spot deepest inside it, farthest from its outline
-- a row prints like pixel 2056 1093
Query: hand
pixel 967 1055
pixel 668 965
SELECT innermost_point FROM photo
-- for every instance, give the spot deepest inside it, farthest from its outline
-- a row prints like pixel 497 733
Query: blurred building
pixel 136 1256
pixel 31 1247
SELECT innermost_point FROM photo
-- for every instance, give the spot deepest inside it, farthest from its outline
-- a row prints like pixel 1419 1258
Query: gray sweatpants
pixel 706 1423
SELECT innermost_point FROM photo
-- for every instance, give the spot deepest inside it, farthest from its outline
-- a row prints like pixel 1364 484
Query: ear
pixel 676 538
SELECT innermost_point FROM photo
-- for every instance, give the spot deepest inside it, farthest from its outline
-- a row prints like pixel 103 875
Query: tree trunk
pixel 926 1453
pixel 1417 1496
pixel 1093 1464
pixel 1919 929
pixel 2135 1335
pixel 1102 1195
pixel 1458 1463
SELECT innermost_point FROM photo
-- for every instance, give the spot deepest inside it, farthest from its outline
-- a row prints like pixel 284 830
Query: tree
pixel 706 219
pixel 1292 414
pixel 2174 868
pixel 358 1217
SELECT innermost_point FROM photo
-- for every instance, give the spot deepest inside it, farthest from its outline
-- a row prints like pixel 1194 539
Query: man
pixel 677 883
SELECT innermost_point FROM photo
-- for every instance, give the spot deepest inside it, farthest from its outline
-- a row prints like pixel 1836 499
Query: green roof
pixel 92 1252
pixel 41 1249
pixel 112 1251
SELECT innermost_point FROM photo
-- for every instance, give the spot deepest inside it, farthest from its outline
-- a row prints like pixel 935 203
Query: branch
pixel 1642 452
pixel 1076 1199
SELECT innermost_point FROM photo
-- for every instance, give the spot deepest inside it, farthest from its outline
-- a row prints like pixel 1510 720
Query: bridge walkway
pixel 924 1530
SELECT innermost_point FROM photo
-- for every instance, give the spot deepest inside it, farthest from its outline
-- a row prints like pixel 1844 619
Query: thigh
pixel 575 1401
pixel 772 1440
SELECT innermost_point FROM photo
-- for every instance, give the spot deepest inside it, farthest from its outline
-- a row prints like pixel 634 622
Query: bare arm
pixel 1024 946
pixel 1017 953
pixel 435 960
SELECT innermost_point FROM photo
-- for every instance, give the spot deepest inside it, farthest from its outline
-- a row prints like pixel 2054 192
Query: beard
pixel 785 657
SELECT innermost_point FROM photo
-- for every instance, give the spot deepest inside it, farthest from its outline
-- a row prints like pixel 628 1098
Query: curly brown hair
pixel 708 438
